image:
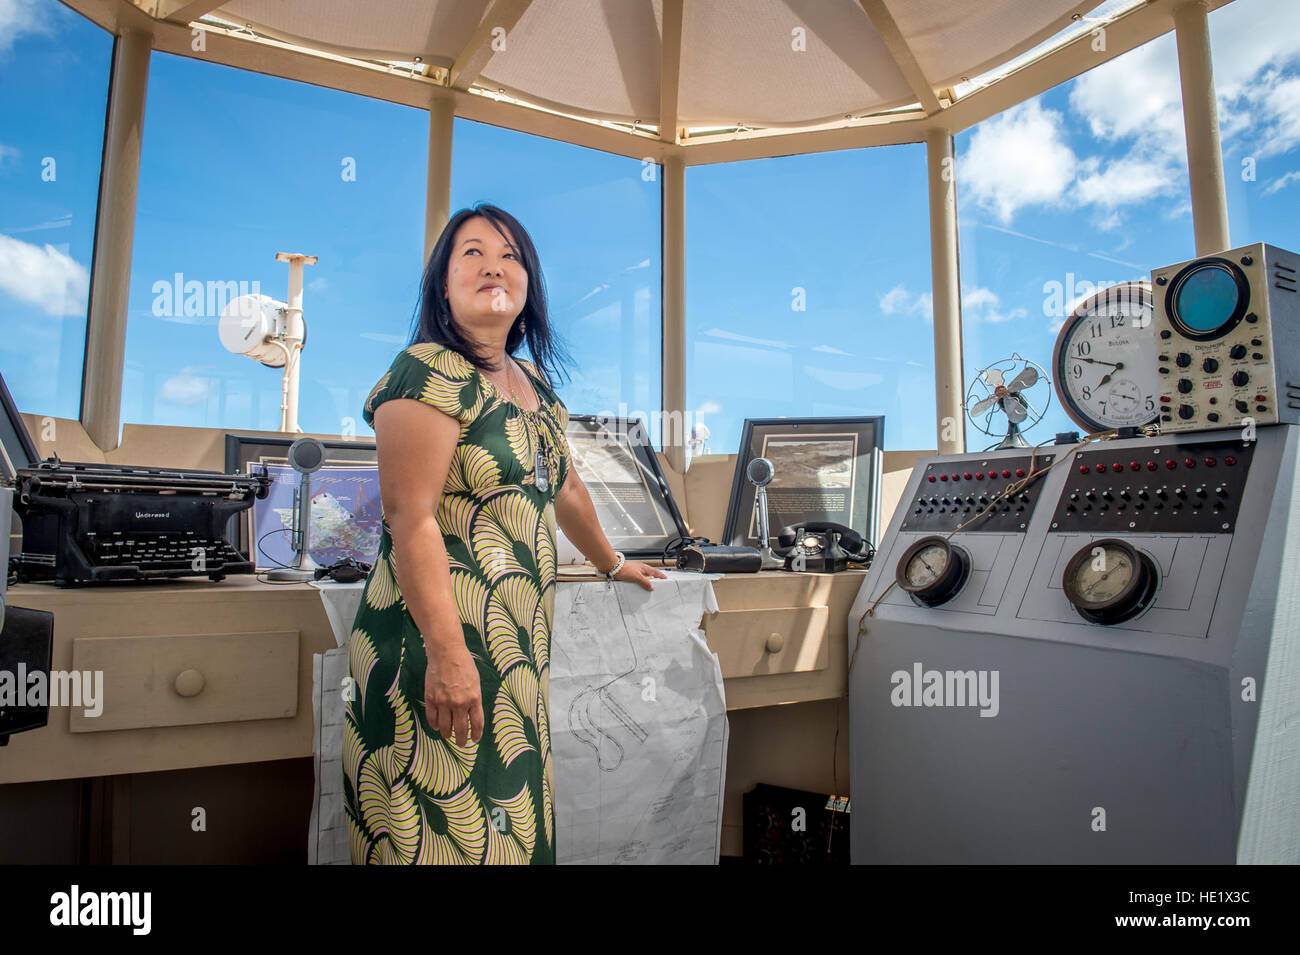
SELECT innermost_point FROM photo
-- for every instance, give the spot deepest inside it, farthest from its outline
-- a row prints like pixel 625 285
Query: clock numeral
pixel 1095 329
pixel 1085 348
pixel 1087 393
pixel 1151 403
pixel 1077 370
pixel 1103 407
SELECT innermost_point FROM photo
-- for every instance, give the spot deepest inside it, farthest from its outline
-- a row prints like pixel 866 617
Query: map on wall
pixel 345 515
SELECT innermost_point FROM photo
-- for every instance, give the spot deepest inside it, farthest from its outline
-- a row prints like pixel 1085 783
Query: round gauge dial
pixel 1105 360
pixel 1207 299
pixel 1109 581
pixel 812 544
pixel 932 570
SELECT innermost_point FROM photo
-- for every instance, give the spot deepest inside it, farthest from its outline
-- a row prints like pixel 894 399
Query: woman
pixel 446 750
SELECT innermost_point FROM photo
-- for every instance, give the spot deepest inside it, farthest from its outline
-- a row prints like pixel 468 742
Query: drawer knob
pixel 775 642
pixel 189 682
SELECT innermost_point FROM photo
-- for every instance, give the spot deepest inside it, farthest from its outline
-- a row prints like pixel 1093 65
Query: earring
pixel 523 327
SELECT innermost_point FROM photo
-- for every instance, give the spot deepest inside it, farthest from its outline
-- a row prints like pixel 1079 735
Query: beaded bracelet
pixel 609 575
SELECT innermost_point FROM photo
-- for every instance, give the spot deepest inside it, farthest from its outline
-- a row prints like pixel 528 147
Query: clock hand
pixel 1098 361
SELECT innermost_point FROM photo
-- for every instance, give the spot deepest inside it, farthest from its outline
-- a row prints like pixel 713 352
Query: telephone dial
pixel 823 547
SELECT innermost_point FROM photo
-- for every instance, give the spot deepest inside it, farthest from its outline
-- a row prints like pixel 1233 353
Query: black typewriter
pixel 86 523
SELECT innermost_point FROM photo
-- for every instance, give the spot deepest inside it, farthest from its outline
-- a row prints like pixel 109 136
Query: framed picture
pixel 346 514
pixel 824 469
pixel 616 461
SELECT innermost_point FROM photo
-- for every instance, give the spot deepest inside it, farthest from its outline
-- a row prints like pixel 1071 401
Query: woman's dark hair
pixel 433 321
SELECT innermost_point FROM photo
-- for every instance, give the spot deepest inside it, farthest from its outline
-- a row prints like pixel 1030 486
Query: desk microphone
pixel 305 456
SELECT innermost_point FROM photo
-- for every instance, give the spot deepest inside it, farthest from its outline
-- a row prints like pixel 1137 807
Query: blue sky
pixel 808 277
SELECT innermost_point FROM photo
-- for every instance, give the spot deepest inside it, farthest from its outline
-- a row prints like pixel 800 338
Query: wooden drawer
pixel 185 679
pixel 762 642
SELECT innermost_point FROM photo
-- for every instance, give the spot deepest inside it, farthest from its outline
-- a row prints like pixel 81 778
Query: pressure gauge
pixel 1105 360
pixel 932 570
pixel 1109 581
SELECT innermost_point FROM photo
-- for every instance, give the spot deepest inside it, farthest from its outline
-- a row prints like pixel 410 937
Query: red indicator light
pixel 956 477
pixel 1209 462
pixel 1117 466
pixel 1171 464
pixel 1259 397
pixel 1084 469
pixel 966 475
pixel 1135 466
pixel 1190 462
pixel 1020 472
pixel 1006 473
pixel 1164 399
pixel 1229 460
pixel 931 478
pixel 979 475
pixel 1101 469
pixel 943 477
pixel 1151 465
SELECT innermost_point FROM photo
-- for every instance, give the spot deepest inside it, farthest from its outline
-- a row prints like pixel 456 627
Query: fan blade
pixel 982 406
pixel 1015 408
pixel 993 377
pixel 1026 379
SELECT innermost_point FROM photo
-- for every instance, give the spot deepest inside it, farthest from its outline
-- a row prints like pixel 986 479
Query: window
pixel 1082 187
pixel 1255 45
pixel 235 167
pixel 54 70
pixel 808 293
pixel 594 218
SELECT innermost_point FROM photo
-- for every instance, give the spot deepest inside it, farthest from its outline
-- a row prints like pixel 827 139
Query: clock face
pixel 1105 360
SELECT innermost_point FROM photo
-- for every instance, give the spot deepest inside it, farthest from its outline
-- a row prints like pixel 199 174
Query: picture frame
pixel 351 526
pixel 616 461
pixel 826 469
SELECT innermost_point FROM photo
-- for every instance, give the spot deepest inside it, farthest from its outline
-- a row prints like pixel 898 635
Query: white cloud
pixel 43 276
pixel 1282 182
pixel 1016 159
pixel 7 152
pixel 1133 105
pixel 978 304
pixel 899 301
pixel 708 407
pixel 187 388
pixel 832 350
pixel 19 17
pixel 319 284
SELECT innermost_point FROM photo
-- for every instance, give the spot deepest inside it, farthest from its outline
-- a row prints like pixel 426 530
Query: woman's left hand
pixel 637 572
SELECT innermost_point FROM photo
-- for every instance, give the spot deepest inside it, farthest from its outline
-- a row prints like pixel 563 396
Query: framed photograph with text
pixel 824 469
pixel 617 463
pixel 346 513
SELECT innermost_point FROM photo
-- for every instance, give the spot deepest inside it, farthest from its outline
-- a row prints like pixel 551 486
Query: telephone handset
pixel 823 547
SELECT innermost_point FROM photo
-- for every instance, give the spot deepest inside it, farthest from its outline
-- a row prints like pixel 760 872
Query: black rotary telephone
pixel 823 547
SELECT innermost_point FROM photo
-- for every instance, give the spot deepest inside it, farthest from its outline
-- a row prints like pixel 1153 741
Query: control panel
pixel 956 490
pixel 1228 339
pixel 1169 487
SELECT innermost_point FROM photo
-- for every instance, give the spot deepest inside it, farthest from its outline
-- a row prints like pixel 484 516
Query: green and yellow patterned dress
pixel 413 796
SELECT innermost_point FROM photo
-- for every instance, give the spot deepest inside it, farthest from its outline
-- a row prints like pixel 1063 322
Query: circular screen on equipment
pixel 1208 298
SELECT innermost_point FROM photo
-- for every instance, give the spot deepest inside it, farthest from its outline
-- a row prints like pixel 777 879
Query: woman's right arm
pixel 415 443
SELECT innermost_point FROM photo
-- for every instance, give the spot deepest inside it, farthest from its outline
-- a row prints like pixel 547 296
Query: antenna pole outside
pixel 293 335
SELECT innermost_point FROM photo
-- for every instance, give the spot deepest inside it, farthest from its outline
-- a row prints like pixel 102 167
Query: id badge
pixel 542 473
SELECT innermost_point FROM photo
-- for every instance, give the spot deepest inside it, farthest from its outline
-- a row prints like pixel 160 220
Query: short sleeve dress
pixel 412 795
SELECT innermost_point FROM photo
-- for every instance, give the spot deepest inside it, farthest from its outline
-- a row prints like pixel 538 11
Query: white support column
pixel 950 423
pixel 437 190
pixel 101 382
pixel 1201 124
pixel 674 312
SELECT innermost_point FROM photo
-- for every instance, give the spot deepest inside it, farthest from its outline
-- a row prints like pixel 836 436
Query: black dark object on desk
pixel 719 559
pixel 97 523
